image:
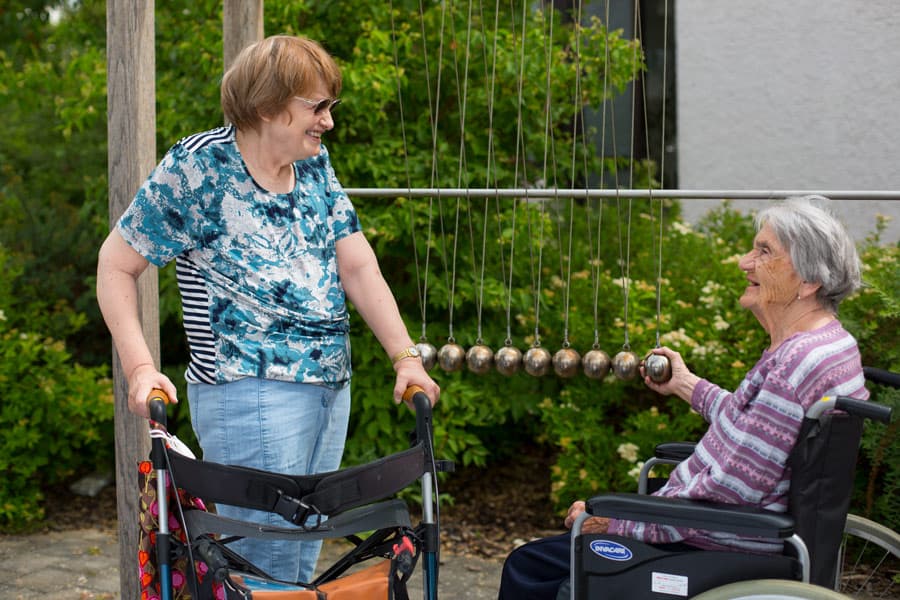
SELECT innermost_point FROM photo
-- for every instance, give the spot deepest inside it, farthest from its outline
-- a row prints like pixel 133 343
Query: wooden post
pixel 242 24
pixel 131 122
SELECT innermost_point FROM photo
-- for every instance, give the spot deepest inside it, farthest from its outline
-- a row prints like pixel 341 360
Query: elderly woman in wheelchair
pixel 801 266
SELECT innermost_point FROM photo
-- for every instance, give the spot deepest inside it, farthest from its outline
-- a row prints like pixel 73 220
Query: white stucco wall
pixel 797 94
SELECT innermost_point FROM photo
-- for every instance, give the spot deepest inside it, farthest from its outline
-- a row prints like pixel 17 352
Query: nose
pixel 747 261
pixel 326 119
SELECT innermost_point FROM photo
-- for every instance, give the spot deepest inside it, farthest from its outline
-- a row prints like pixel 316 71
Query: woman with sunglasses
pixel 268 250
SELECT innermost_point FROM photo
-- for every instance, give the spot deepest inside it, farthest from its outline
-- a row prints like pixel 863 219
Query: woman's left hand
pixel 411 372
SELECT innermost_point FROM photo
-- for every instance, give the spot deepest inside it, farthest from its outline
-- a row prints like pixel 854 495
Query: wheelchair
pixel 813 530
pixel 191 554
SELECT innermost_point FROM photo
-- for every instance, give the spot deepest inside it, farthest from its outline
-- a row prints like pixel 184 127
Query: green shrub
pixel 56 417
pixel 873 316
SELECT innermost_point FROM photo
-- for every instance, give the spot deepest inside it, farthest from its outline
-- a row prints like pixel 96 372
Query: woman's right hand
pixel 681 383
pixel 143 380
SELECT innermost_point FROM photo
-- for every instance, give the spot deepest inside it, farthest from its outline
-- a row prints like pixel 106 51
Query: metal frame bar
pixel 528 193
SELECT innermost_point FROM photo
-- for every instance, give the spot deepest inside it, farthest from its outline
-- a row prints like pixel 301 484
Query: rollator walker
pixel 191 544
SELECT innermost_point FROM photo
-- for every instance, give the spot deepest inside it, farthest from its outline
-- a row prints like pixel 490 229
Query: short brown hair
pixel 267 74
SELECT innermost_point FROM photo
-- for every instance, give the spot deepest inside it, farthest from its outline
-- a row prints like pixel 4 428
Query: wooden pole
pixel 242 24
pixel 131 122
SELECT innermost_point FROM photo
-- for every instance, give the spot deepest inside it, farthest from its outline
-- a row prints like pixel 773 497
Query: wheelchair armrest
pixel 674 450
pixel 679 512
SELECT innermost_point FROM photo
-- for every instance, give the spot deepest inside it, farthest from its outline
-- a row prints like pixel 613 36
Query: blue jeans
pixel 291 428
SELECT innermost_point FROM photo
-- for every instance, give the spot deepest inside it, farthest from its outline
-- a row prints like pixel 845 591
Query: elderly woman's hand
pixel 681 383
pixel 591 524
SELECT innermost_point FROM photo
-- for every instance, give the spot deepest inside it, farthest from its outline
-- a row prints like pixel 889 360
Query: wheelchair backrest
pixel 822 469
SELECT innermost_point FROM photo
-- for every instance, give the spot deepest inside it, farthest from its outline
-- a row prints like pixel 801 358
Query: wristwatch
pixel 411 352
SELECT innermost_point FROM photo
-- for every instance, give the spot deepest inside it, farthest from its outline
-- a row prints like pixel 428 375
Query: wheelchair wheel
pixel 869 560
pixel 770 589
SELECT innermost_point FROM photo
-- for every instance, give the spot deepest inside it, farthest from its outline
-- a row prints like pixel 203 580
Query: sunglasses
pixel 320 106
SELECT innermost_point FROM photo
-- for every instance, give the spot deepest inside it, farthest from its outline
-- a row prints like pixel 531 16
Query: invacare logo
pixel 611 550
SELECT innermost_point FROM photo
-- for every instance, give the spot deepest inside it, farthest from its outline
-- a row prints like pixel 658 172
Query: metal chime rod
pixel 530 193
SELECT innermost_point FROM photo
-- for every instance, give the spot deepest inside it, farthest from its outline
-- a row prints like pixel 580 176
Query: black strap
pixel 388 513
pixel 296 497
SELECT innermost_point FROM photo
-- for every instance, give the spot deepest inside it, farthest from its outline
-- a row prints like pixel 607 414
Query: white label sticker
pixel 666 583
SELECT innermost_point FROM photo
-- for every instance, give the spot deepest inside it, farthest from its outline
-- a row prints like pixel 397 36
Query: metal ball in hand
pixel 508 360
pixel 566 362
pixel 625 365
pixel 480 359
pixel 658 368
pixel 451 357
pixel 595 364
pixel 428 353
pixel 537 361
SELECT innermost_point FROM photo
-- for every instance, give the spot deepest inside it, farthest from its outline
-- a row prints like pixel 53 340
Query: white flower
pixel 711 287
pixel 712 348
pixel 677 338
pixel 682 228
pixel 635 472
pixel 628 451
pixel 720 323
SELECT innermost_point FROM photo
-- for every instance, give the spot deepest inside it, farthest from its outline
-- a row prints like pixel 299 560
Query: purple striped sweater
pixel 741 459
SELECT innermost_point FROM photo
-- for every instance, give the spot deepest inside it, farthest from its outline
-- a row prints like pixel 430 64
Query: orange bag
pixel 371 582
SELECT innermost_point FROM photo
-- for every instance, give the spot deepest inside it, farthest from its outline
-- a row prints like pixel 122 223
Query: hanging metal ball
pixel 626 365
pixel 428 353
pixel 595 364
pixel 480 359
pixel 508 360
pixel 658 368
pixel 451 357
pixel 566 362
pixel 537 361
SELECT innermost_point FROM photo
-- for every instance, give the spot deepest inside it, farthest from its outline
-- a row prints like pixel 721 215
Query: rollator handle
pixel 422 404
pixel 157 401
pixel 416 395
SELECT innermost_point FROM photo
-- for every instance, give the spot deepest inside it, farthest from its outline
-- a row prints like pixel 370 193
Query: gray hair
pixel 821 249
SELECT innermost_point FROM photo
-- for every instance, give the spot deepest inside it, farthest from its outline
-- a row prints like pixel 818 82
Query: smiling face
pixel 772 281
pixel 301 127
